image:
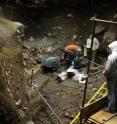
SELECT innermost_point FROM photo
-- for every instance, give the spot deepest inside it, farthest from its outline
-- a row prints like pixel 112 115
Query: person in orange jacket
pixel 71 53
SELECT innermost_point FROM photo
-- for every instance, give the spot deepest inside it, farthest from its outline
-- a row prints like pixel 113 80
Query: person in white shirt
pixel 96 45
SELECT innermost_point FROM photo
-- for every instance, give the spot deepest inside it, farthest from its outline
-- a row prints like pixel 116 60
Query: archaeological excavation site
pixel 58 61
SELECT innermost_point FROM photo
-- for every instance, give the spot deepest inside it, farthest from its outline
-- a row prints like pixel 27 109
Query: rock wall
pixel 73 2
pixel 9 114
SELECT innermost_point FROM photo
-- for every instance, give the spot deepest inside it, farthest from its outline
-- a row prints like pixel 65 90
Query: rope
pixel 45 101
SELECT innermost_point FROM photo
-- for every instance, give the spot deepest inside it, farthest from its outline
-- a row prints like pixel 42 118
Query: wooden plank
pixel 94 107
pixel 93 121
pixel 112 121
pixel 102 116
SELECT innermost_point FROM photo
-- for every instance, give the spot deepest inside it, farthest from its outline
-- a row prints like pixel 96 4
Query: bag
pixel 51 62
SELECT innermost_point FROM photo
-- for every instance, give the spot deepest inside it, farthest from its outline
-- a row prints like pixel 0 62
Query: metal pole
pixel 32 76
pixel 89 62
pixel 104 21
pixel 90 57
pixel 80 118
pixel 48 105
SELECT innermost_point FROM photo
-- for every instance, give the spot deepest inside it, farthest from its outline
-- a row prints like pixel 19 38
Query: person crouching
pixel 70 55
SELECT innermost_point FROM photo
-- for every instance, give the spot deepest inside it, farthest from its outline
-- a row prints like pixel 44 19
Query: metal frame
pixel 94 20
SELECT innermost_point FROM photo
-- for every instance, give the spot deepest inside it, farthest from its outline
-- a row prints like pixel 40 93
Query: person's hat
pixel 113 46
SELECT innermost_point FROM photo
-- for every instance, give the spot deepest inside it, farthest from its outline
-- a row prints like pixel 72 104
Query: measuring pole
pixel 32 74
pixel 88 68
pixel 89 62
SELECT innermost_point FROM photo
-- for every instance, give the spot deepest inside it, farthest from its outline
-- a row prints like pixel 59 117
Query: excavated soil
pixel 47 30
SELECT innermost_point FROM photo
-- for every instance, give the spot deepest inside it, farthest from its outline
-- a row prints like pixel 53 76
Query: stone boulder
pixel 9 29
pixel 100 29
pixel 108 37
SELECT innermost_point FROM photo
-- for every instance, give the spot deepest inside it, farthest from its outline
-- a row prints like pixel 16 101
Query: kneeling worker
pixel 71 54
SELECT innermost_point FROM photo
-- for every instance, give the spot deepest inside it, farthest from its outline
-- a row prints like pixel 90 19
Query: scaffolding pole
pixel 103 21
pixel 88 68
pixel 94 20
pixel 89 62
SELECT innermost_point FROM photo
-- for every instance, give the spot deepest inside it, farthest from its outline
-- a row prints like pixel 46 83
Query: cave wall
pixel 74 2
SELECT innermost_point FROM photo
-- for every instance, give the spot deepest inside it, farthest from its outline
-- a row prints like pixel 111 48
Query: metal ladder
pixel 102 92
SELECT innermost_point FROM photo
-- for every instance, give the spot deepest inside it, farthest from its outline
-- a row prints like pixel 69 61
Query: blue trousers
pixel 112 94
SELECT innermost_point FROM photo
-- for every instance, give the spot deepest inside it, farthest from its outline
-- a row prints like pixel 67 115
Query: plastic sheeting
pixel 77 75
pixel 63 76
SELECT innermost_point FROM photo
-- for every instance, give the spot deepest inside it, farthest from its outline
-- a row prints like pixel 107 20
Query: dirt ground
pixel 48 30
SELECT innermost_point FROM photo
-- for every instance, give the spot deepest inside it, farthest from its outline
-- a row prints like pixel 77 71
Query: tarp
pixel 51 62
pixel 77 75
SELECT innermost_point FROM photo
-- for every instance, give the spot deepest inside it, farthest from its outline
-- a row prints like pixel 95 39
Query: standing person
pixel 71 54
pixel 96 45
pixel 111 77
